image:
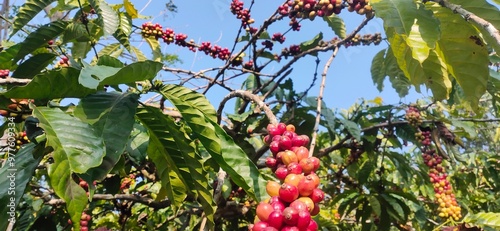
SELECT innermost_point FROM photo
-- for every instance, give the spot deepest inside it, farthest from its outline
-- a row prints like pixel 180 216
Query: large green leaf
pixel 113 116
pixel 487 12
pixel 40 37
pixel 75 31
pixel 396 76
pixel 109 49
pixel 155 48
pixel 337 25
pixel 200 115
pixel 378 70
pixel 432 72
pixel 138 144
pixel 137 71
pixel 73 140
pixel 79 50
pixel 484 220
pixel 194 163
pixel 66 188
pixel 18 172
pixel 481 8
pixel 7 55
pixel 107 15
pixel 165 154
pixel 90 76
pixel 123 31
pixel 466 60
pixel 27 12
pixel 58 83
pixel 34 65
pixel 412 21
pixel 239 167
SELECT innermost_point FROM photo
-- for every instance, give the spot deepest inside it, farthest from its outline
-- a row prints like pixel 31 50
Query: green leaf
pixel 482 9
pixel 352 128
pixel 66 188
pixel 130 8
pixel 74 141
pixel 311 43
pixel 397 78
pixel 137 71
pixel 109 61
pixel 239 167
pixel 112 116
pixel 33 66
pixel 375 204
pixel 109 49
pixel 162 150
pixel 77 32
pixel 18 168
pixel 466 60
pixel 194 163
pixel 393 207
pixel 200 115
pixel 79 50
pixel 484 220
pixel 378 70
pixel 7 55
pixel 58 83
pixel 155 48
pixel 138 54
pixel 90 76
pixel 27 12
pixel 417 26
pixel 40 37
pixel 123 32
pixel 337 25
pixel 108 16
pixel 437 80
pixel 364 171
pixel 138 144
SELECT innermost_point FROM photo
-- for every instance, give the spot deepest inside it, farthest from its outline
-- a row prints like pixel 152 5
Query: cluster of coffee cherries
pixel 424 137
pixel 85 185
pixel 296 9
pixel 152 30
pixel 413 116
pixel 445 198
pixel 84 222
pixel 360 6
pixel 295 199
pixel 127 182
pixel 19 109
pixel 4 73
pixel 365 39
pixel 21 139
pixel 64 62
pixel 169 36
pixel 241 13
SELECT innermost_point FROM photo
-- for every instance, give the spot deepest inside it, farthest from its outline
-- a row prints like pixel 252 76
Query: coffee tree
pixel 93 139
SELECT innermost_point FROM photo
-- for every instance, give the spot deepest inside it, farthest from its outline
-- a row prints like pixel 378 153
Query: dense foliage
pixel 93 139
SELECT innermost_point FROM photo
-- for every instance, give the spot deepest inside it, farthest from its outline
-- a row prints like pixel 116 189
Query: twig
pixel 16 81
pixel 264 26
pixel 471 16
pixel 130 197
pixel 248 96
pixel 320 101
pixel 85 22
